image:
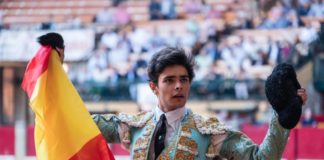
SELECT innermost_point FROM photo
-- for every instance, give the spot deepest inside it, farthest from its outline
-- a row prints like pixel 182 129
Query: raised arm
pixel 238 146
pixel 286 97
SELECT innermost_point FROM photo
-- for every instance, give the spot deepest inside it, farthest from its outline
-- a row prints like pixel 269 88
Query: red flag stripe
pixel 36 67
pixel 95 148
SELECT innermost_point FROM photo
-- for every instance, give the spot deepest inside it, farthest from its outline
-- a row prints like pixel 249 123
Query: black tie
pixel 160 136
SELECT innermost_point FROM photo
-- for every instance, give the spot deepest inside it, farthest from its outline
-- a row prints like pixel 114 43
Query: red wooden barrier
pixel 257 134
pixel 290 150
pixel 30 141
pixel 303 143
pixel 7 140
pixel 310 143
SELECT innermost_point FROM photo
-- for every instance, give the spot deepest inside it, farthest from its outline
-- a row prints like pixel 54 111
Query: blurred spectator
pixel 205 8
pixel 155 10
pixel 308 34
pixel 241 89
pixel 227 55
pixel 207 30
pixel 104 16
pixel 118 57
pixel 172 39
pixel 249 47
pixel 98 64
pixel 212 50
pixel 230 16
pixel 303 7
pixel 274 52
pixel 276 17
pixel 99 59
pixel 157 40
pixel 73 22
pixel 308 120
pixel 168 9
pixel 139 39
pixel 192 6
pixel 317 9
pixel 204 61
pixel 82 75
pixel 192 26
pixel 121 15
pixel 285 52
pixel 188 40
pixel 211 12
pixel 140 69
pixel 125 41
pixel 49 24
pixel 300 53
pixel 293 19
pixel 110 39
pixel 115 3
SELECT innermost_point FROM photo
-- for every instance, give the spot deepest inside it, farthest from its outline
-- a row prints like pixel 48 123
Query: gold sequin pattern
pixel 142 144
pixel 187 148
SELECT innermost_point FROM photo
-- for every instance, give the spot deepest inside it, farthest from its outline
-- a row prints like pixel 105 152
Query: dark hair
pixel 167 57
pixel 53 39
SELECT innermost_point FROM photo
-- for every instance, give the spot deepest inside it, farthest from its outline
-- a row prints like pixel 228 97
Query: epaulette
pixel 138 120
pixel 209 125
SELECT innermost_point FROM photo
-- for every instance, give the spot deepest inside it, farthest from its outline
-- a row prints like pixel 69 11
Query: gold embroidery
pixel 125 135
pixel 142 144
pixel 189 143
pixel 166 153
pixel 187 148
pixel 184 132
pixel 139 155
pixel 164 156
pixel 184 156
pixel 183 145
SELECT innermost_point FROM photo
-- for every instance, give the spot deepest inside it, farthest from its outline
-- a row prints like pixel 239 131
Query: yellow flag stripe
pixel 56 126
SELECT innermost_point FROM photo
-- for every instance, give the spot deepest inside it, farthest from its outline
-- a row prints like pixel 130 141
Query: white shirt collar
pixel 172 116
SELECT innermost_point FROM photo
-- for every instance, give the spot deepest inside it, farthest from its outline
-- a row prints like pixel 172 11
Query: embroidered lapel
pixel 142 144
pixel 182 144
pixel 187 147
pixel 142 120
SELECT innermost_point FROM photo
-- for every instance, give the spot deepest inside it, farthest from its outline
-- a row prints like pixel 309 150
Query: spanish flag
pixel 64 128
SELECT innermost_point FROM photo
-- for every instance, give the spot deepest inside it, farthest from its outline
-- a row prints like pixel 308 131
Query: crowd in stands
pixel 289 15
pixel 224 58
pixel 208 30
pixel 113 15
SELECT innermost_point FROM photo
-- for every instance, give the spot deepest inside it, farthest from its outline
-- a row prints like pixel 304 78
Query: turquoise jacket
pixel 197 138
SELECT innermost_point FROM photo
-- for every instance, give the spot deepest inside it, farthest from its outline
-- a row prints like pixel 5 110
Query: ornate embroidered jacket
pixel 197 138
